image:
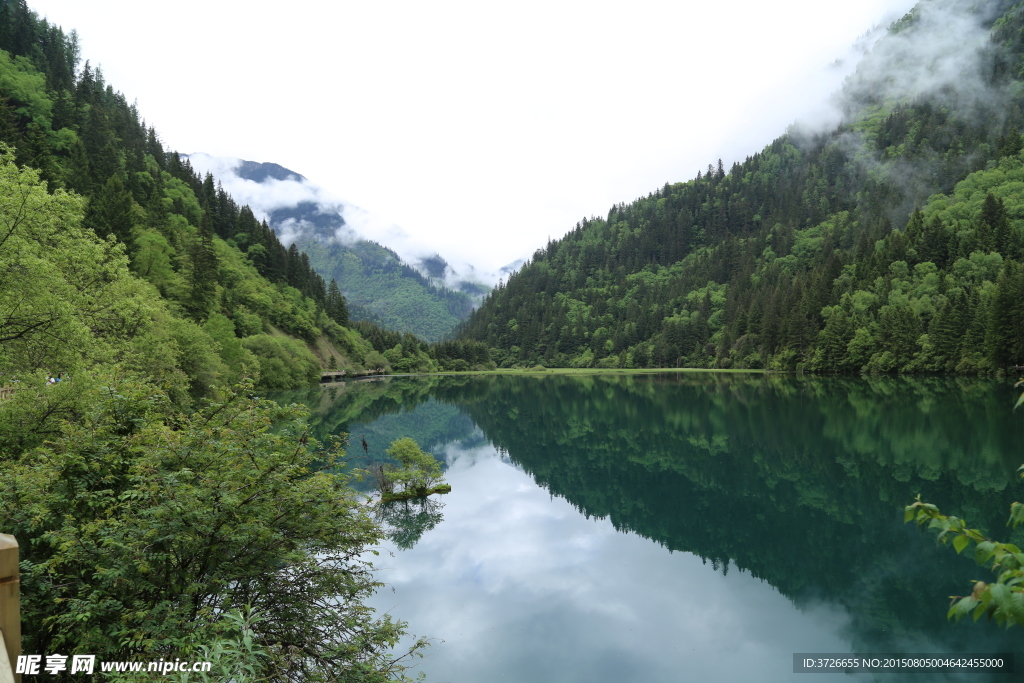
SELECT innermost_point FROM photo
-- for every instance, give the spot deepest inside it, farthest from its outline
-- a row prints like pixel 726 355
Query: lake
pixel 684 526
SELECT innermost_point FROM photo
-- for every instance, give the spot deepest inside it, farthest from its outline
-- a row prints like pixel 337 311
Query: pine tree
pixel 336 307
pixel 203 280
pixel 933 247
pixel 111 211
pixel 1003 340
pixel 992 229
pixel 1011 146
pixel 834 340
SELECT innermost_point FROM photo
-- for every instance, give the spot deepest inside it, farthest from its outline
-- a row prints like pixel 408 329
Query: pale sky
pixel 481 128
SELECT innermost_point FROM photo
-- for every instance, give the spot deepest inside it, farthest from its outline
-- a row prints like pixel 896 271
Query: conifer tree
pixel 993 227
pixel 1005 336
pixel 934 244
pixel 203 281
pixel 111 210
pixel 1011 146
pixel 336 307
pixel 834 340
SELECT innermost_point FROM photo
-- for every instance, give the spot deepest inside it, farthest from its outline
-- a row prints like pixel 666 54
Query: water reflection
pixel 405 521
pixel 783 496
pixel 521 587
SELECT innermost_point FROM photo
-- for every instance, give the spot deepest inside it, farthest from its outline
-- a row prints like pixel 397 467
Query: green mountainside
pixel 381 288
pixel 378 285
pixel 893 242
pixel 228 297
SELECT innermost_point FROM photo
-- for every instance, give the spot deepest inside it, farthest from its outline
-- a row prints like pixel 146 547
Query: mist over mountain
pixel 885 235
pixel 296 207
pixel 387 276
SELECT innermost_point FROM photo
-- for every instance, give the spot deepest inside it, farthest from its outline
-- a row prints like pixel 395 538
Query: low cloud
pixel 265 197
pixel 354 223
pixel 936 48
pixel 939 50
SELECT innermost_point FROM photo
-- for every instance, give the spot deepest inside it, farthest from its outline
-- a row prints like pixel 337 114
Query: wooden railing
pixel 10 609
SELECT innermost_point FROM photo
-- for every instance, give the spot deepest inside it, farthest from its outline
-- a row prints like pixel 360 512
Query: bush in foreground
pixel 140 532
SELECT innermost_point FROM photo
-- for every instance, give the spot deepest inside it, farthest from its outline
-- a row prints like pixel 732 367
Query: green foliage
pixel 240 360
pixel 417 472
pixel 196 354
pixel 336 307
pixel 236 656
pixel 25 87
pixel 283 362
pixel 142 530
pixel 1002 599
pixel 406 353
pixel 70 304
pixel 112 211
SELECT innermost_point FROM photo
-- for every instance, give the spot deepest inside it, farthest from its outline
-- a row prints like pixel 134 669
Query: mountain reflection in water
pixel 774 505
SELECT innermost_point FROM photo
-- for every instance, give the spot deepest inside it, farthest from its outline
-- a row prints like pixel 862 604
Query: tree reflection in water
pixel 405 521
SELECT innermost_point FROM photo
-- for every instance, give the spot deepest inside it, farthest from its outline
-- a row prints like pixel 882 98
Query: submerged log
pixel 407 495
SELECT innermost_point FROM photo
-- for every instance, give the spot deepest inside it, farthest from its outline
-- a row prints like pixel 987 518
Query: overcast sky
pixel 481 128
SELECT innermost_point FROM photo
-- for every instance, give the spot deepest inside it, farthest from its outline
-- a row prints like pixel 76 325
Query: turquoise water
pixel 689 526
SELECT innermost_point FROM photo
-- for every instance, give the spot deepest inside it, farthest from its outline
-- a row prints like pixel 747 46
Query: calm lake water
pixel 685 527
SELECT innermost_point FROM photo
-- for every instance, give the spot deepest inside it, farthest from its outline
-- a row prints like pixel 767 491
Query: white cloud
pixel 481 129
pixel 272 194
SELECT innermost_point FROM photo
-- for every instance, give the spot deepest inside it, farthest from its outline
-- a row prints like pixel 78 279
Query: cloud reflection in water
pixel 521 586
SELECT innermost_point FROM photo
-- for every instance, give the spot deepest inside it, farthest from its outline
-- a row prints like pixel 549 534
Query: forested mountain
pixel 891 242
pixel 161 508
pixel 425 297
pixel 228 297
pixel 236 299
pixel 382 288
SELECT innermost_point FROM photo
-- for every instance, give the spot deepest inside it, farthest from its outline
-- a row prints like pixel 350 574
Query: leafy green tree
pixel 238 358
pixel 417 472
pixel 283 362
pixel 142 528
pixel 1012 145
pixel 1004 341
pixel 67 299
pixel 993 227
pixel 236 656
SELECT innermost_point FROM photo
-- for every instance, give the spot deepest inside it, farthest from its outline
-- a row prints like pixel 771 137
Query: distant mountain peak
pixel 403 286
pixel 261 172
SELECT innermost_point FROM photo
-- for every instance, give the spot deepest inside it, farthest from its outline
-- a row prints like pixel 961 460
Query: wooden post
pixel 10 602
